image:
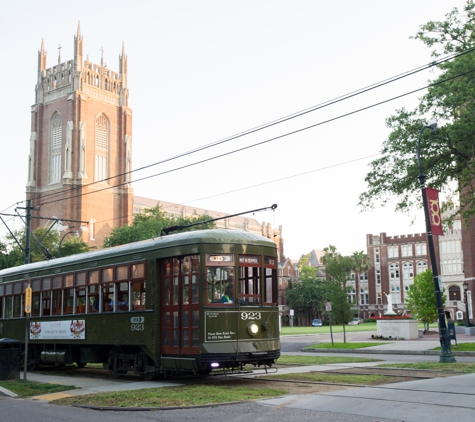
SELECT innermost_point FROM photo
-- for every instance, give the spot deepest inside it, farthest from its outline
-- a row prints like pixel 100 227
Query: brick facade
pixel 70 162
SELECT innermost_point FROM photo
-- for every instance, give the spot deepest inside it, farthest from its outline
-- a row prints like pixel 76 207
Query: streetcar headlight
pixel 252 328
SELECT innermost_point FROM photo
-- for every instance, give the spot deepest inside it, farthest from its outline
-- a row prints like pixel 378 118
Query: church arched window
pixel 56 133
pixel 102 148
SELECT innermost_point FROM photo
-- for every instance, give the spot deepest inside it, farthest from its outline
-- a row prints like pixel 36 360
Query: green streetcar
pixel 185 303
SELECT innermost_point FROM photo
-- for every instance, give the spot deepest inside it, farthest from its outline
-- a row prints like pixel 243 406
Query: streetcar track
pixel 383 386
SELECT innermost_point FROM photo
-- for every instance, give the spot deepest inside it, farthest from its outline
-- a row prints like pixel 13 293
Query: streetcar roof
pixel 209 236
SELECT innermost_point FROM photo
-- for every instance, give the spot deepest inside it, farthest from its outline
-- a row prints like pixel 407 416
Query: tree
pixel 420 298
pixel 341 307
pixel 446 157
pixel 338 271
pixel 72 246
pixel 306 296
pixel 150 224
pixel 43 243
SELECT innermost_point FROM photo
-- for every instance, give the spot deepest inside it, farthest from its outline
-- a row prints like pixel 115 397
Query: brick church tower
pixel 81 146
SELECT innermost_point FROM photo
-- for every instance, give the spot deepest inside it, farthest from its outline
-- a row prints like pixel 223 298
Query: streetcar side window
pixel 270 268
pixel 2 300
pixel 17 299
pixel 36 302
pixel 78 293
pixel 249 280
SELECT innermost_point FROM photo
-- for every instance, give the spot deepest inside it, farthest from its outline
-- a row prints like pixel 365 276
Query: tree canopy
pixel 150 224
pixel 42 243
pixel 306 296
pixel 338 271
pixel 447 156
pixel 421 300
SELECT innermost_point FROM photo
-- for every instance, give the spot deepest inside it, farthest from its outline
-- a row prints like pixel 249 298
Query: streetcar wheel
pixel 81 364
pixel 205 371
pixel 29 366
pixel 150 376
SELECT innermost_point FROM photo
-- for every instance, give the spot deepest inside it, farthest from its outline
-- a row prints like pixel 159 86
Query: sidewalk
pixel 89 385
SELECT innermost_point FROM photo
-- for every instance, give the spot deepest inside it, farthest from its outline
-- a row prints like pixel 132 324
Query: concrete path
pixel 440 399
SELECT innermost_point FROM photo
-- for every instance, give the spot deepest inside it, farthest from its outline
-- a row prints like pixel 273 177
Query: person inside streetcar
pixel 228 295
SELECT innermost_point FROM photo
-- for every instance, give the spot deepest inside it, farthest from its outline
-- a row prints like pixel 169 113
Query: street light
pixel 465 289
pixel 446 355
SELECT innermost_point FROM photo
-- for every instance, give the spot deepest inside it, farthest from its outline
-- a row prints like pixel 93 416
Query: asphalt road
pixel 418 401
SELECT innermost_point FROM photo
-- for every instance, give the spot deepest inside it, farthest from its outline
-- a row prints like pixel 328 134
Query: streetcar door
pixel 180 305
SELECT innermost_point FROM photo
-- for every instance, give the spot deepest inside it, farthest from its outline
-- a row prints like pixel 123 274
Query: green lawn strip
pixel 460 347
pixel 338 378
pixel 320 360
pixel 33 388
pixel 190 395
pixel 351 345
pixel 336 329
pixel 465 367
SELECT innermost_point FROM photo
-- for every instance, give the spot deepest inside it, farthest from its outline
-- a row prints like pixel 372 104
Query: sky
pixel 202 71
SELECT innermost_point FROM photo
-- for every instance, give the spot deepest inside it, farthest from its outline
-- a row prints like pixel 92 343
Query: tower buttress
pixel 78 40
pixel 41 60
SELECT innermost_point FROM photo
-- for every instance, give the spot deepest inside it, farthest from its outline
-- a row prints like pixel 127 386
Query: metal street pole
pixel 467 318
pixel 446 355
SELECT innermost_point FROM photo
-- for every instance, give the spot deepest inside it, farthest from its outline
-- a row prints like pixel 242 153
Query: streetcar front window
pixel 220 284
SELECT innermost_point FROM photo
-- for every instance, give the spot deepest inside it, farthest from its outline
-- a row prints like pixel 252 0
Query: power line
pixel 269 124
pixel 269 181
pixel 273 138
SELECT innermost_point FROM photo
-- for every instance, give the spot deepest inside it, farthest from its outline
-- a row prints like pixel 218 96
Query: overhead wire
pixel 270 139
pixel 269 181
pixel 269 124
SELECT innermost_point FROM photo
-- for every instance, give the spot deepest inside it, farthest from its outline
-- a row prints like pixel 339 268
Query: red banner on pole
pixel 432 196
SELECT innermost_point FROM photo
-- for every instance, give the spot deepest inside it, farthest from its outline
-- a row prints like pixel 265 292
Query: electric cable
pixel 270 139
pixel 277 121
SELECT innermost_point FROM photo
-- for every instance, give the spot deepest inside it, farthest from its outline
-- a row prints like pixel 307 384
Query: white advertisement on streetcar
pixel 58 330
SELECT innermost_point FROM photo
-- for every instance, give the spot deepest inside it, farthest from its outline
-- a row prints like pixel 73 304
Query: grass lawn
pixel 320 360
pixel 464 367
pixel 336 378
pixel 33 388
pixel 352 345
pixel 325 329
pixel 188 395
pixel 460 347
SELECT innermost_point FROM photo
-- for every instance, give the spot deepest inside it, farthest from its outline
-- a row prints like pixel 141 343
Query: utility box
pixel 10 352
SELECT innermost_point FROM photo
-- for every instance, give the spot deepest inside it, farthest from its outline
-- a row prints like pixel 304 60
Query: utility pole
pixel 28 226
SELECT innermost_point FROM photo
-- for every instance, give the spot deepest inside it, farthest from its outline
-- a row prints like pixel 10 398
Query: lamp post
pixel 446 355
pixel 76 234
pixel 465 289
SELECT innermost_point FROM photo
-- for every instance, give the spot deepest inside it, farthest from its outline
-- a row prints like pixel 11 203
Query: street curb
pixel 152 409
pixel 386 352
pixel 5 392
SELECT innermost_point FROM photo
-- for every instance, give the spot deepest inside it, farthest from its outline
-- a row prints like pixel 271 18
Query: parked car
pixel 317 322
pixel 356 321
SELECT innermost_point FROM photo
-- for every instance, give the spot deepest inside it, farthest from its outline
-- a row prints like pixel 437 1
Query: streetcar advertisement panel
pixel 58 330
